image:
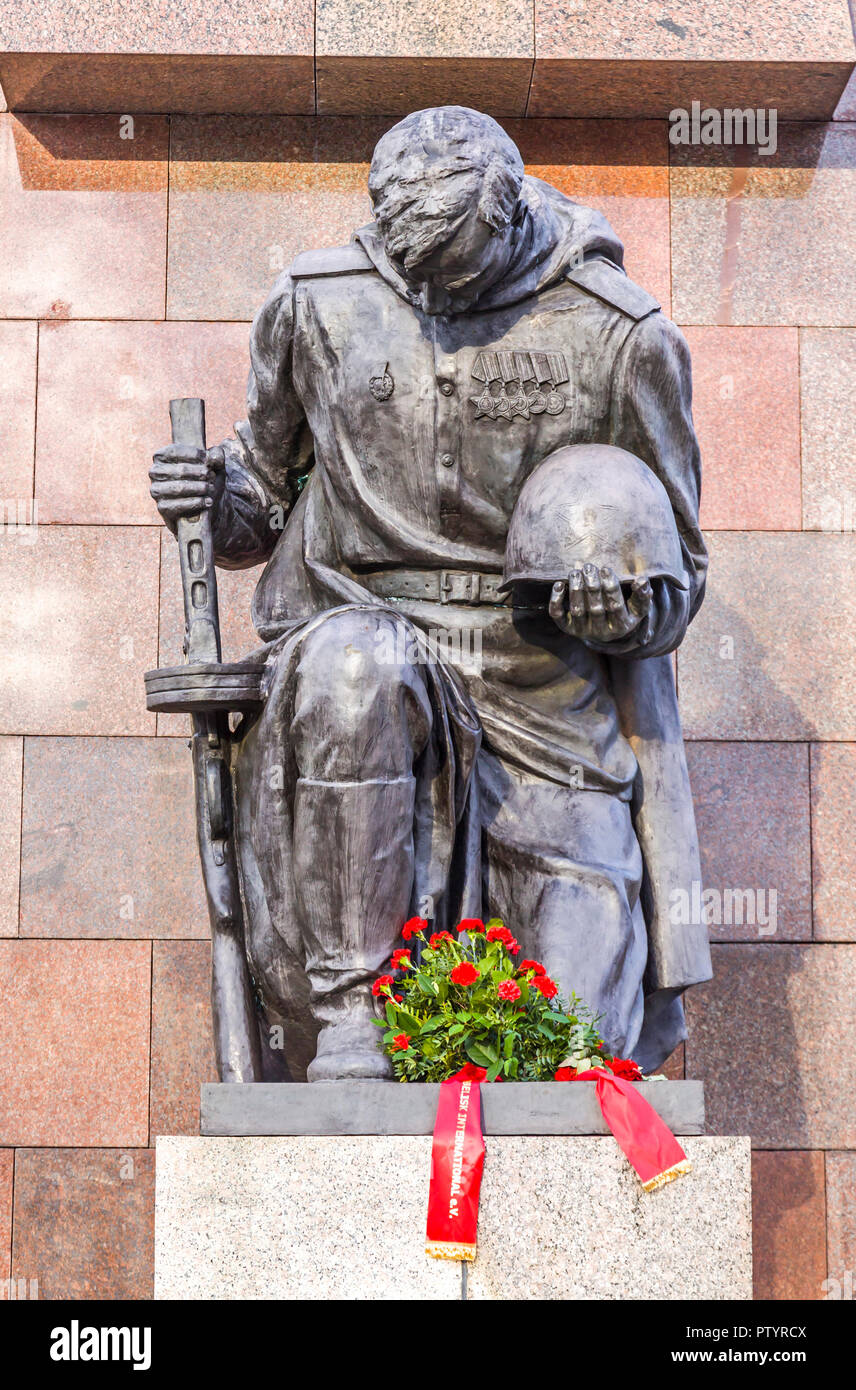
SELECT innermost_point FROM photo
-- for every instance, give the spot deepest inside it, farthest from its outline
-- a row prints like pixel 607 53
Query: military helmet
pixel 592 504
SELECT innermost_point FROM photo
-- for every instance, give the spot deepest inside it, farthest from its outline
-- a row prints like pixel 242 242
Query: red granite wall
pixel 131 267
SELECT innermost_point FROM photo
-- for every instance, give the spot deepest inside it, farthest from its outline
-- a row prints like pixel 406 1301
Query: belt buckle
pixel 456 587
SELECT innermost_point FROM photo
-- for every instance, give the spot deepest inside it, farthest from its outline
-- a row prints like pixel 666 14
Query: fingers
pixel 641 604
pixel 576 603
pixel 640 598
pixel 557 606
pixel 182 487
pixel 595 607
pixel 184 481
pixel 592 606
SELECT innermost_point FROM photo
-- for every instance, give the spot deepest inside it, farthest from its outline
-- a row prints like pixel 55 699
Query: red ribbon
pixel 647 1141
pixel 457 1153
pixel 457 1161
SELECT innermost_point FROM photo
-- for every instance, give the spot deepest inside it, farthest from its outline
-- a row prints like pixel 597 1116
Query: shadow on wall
pixel 743 1041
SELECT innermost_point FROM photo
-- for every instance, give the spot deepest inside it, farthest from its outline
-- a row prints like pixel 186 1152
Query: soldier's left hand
pixel 592 607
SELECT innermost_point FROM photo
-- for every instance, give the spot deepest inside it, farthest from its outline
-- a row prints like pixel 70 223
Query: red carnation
pixel 381 984
pixel 500 934
pixel 401 959
pixel 531 965
pixel 413 927
pixel 439 937
pixel 564 1074
pixel 626 1068
pixel 471 924
pixel 464 974
pixel 509 990
pixel 546 986
pixel 400 1042
pixel 399 998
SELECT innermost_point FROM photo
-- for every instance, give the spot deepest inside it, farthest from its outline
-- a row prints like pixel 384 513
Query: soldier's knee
pixel 361 707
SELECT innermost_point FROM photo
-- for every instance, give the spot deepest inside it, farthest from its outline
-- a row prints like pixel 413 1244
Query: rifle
pixel 209 689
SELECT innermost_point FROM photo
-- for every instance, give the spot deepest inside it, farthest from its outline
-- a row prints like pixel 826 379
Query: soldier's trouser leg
pixel 359 723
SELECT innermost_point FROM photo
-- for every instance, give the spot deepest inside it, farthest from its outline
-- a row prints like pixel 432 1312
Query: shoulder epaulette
pixel 607 282
pixel 332 260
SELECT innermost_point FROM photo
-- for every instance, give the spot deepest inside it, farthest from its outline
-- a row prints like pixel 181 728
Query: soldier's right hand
pixel 186 480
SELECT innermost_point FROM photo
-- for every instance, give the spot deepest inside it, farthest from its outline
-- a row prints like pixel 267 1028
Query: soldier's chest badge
pixel 381 383
pixel 519 385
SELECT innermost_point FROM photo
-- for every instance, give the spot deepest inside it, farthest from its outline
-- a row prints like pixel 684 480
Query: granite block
pixel 846 108
pixel 331 1218
pixel 628 89
pixel 769 1036
pixel 766 239
pixel 691 1239
pixel 195 26
pixel 74 1038
pixel 625 60
pixel 827 387
pixel 98 813
pixel 104 392
pixel 159 83
pixel 746 407
pixel 833 840
pixel 201 55
pixel 246 195
pixel 11 758
pixel 83 217
pixel 388 1108
pixel 396 85
pixel 226 1209
pixel 618 168
pixel 788 1225
pixel 84 1222
pixel 7 1166
pixel 815 31
pixel 752 813
pixel 422 29
pixel 80 605
pixel 18 413
pixel 770 654
pixel 182 1044
pixel 841 1224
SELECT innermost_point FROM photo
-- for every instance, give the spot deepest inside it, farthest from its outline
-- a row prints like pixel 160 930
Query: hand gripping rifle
pixel 209 689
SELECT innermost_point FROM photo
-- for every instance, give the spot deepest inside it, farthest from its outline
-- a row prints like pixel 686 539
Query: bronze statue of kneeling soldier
pixel 476 347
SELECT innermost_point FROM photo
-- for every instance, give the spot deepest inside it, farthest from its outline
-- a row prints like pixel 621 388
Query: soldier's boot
pixel 353 869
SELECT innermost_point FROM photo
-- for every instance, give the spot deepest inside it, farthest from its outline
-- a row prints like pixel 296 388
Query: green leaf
pixel 493 1072
pixel 391 1014
pixel 477 1054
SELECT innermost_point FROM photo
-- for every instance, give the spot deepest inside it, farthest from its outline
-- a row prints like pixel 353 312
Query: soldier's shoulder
pixel 331 260
pixel 607 283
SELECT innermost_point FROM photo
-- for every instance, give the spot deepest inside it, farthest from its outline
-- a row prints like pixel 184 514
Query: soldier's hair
pixel 431 168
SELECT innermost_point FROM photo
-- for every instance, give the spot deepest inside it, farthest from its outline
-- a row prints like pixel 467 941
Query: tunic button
pixel 447 460
pixel 446 387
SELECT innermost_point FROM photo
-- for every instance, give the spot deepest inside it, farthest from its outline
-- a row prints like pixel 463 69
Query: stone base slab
pixel 388 1107
pixel 343 1217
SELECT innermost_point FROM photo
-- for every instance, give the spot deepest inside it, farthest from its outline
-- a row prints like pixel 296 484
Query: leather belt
pixel 436 586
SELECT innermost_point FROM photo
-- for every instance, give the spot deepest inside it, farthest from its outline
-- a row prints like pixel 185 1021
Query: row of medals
pixel 523 403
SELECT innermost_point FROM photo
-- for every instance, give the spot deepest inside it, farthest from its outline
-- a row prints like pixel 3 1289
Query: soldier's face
pixel 451 275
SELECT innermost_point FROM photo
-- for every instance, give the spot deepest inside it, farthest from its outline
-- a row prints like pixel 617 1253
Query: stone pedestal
pixel 333 1216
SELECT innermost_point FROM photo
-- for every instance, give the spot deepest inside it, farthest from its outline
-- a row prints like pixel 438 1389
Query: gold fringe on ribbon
pixel 677 1170
pixel 448 1250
